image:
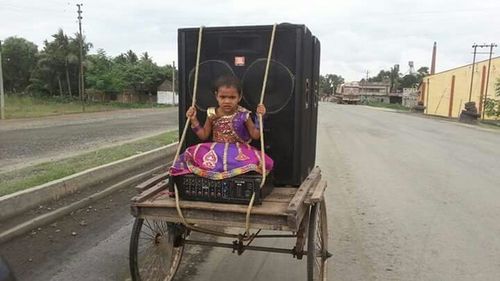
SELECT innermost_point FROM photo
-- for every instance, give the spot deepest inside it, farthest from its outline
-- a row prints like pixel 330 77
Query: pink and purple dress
pixel 229 155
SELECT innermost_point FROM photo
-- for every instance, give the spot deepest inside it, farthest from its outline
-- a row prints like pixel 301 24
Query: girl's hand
pixel 191 113
pixel 261 109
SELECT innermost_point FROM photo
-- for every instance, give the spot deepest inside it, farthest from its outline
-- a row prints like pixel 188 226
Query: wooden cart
pixel 159 237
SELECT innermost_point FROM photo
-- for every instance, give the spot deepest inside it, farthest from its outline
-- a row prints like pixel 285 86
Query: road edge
pixel 18 202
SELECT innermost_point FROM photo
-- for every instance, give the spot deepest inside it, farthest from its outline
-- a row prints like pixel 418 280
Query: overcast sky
pixel 356 36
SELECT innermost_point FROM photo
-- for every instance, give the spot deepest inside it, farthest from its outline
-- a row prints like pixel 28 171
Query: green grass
pixel 31 107
pixel 395 106
pixel 45 172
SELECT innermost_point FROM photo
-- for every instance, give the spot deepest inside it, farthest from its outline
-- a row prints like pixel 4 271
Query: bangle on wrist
pixel 256 121
pixel 196 128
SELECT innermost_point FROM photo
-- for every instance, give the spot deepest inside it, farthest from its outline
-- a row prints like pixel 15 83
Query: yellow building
pixel 446 92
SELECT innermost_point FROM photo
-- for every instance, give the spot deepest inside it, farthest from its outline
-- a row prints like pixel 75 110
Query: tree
pixel 423 71
pixel 329 83
pixel 131 57
pixel 100 74
pixel 66 56
pixel 58 62
pixel 409 81
pixel 146 58
pixel 394 77
pixel 19 58
pixel 382 76
pixel 492 106
pixel 125 72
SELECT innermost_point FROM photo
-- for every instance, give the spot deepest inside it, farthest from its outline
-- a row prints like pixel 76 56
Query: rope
pixel 195 89
pixel 246 235
pixel 183 137
pixel 261 130
pixel 264 84
pixel 192 227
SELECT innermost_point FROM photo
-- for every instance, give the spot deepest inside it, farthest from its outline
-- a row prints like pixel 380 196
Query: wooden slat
pixel 164 201
pixel 150 192
pixel 299 196
pixel 217 218
pixel 151 182
pixel 317 193
pixel 297 208
pixel 281 194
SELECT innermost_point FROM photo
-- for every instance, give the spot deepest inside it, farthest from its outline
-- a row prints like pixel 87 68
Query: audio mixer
pixel 232 190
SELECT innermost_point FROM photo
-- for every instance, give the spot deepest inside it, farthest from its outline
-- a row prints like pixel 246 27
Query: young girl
pixel 229 154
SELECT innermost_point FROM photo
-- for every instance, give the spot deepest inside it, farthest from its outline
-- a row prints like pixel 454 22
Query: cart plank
pixel 151 182
pixel 163 200
pixel 151 192
pixel 297 209
pixel 200 217
pixel 317 193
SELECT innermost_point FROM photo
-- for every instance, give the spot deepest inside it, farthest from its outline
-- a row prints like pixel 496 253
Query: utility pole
pixel 81 84
pixel 2 101
pixel 363 90
pixel 492 45
pixel 472 75
pixel 173 82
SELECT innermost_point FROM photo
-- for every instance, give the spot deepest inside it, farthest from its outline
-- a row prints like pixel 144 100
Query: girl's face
pixel 228 99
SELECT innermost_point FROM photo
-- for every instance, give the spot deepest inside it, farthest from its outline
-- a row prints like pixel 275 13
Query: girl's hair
pixel 227 81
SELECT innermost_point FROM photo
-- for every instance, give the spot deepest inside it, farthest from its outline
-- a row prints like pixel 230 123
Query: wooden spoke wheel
pixel 155 249
pixel 317 241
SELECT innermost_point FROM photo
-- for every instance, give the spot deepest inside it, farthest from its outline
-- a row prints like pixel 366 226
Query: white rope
pixel 261 130
pixel 262 93
pixel 195 89
pixel 246 235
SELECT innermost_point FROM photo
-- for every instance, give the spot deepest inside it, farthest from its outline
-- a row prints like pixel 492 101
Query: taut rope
pixel 246 235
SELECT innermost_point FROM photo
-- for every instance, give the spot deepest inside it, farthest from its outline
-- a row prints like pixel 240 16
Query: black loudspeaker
pixel 291 96
pixel 314 98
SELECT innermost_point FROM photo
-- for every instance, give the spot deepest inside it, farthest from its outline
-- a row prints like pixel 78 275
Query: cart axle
pixel 236 247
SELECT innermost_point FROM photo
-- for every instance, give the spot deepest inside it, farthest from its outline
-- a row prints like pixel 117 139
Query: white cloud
pixel 356 36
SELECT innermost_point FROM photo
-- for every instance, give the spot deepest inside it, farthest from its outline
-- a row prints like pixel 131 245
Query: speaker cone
pixel 279 88
pixel 208 72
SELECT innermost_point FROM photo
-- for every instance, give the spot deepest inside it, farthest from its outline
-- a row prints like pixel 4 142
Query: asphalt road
pixel 27 142
pixel 409 198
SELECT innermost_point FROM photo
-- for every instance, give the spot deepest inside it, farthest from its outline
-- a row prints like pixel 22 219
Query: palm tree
pixel 394 77
pixel 67 54
pixel 131 57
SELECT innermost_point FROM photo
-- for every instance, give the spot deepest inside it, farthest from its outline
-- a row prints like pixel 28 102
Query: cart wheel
pixel 317 250
pixel 155 249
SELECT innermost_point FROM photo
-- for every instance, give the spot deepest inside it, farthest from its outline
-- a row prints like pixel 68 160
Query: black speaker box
pixel 291 96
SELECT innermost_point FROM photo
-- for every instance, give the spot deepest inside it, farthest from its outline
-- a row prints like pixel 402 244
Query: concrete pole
pixel 81 80
pixel 472 73
pixel 481 92
pixel 2 101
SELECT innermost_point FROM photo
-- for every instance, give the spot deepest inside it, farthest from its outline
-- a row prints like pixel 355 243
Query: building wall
pixel 167 97
pixel 439 99
pixel 373 98
pixel 410 97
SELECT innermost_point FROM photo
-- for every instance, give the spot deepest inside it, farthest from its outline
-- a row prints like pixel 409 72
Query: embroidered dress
pixel 227 156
